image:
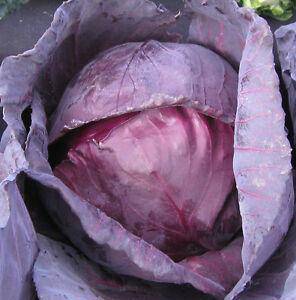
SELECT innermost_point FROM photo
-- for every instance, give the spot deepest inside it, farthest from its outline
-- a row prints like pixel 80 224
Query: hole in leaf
pixel 26 118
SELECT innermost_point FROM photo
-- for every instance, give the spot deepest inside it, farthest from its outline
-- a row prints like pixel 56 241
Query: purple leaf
pixel 224 266
pixel 137 177
pixel 18 248
pixel 276 280
pixel 138 76
pixel 60 272
pixel 285 39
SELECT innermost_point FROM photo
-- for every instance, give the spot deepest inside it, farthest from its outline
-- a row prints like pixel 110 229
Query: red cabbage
pixel 164 174
pixel 175 77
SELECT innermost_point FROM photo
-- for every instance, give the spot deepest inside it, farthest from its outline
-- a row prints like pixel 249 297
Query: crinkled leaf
pixel 12 162
pixel 261 160
pixel 280 270
pixel 18 242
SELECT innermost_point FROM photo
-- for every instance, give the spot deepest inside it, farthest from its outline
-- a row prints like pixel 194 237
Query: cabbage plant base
pixel 262 169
